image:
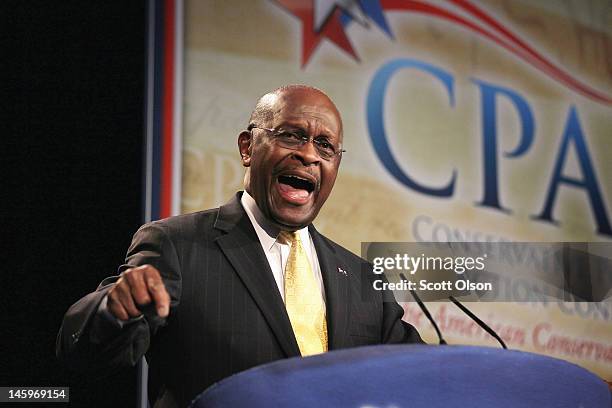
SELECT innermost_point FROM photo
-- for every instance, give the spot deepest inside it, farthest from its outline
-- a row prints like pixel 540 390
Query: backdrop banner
pixel 464 120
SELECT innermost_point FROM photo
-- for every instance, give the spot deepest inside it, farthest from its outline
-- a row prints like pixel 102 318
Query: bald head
pixel 271 103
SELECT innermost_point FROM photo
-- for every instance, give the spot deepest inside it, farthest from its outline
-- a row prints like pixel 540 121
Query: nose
pixel 307 154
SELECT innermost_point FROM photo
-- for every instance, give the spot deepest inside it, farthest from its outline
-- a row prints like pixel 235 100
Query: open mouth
pixel 295 189
pixel 297 182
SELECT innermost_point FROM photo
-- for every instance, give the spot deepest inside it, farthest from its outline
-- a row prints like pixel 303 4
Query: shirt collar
pixel 266 231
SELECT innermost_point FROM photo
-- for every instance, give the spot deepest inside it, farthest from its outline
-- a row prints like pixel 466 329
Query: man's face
pixel 290 186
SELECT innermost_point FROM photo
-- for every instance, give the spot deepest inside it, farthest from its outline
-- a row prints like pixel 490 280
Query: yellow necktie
pixel 303 299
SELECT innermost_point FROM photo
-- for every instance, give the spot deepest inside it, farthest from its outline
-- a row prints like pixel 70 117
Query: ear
pixel 245 140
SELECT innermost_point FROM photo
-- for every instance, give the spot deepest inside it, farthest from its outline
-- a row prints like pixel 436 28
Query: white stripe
pixel 177 110
pixel 150 95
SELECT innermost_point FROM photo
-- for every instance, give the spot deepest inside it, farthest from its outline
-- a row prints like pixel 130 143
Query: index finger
pixel 158 291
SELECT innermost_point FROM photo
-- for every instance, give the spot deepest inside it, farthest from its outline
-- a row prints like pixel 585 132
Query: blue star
pixel 373 10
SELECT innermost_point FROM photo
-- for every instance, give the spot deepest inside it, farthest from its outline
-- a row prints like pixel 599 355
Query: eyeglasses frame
pixel 275 132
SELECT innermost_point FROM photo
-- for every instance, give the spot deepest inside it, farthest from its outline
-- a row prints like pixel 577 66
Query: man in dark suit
pixel 250 282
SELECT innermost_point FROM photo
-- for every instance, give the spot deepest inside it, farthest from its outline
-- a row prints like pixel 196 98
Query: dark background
pixel 72 193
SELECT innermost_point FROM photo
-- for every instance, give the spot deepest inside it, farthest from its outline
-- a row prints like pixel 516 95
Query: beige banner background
pixel 238 50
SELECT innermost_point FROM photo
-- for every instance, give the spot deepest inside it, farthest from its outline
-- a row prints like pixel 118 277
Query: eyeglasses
pixel 294 140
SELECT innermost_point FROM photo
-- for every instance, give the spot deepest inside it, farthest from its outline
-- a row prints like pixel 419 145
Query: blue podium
pixel 412 376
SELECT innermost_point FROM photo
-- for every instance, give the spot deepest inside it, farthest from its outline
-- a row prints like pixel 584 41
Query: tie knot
pixel 289 237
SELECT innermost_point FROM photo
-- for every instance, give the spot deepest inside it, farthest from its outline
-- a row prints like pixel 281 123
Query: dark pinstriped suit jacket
pixel 226 314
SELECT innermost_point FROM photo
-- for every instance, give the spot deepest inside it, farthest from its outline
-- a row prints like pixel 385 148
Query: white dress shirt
pixel 277 252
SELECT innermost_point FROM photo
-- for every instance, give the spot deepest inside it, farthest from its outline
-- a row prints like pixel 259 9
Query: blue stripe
pixel 157 110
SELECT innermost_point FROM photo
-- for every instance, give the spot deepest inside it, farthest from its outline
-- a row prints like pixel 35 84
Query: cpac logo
pixel 572 137
pixel 327 19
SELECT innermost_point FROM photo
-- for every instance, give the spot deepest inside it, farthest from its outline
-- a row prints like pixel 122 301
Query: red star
pixel 332 29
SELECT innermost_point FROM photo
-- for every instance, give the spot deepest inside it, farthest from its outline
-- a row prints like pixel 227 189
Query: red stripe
pixel 165 207
pixel 516 46
pixel 553 70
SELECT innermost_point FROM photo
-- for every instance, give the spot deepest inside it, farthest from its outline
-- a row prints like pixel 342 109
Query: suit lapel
pixel 242 248
pixel 337 290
